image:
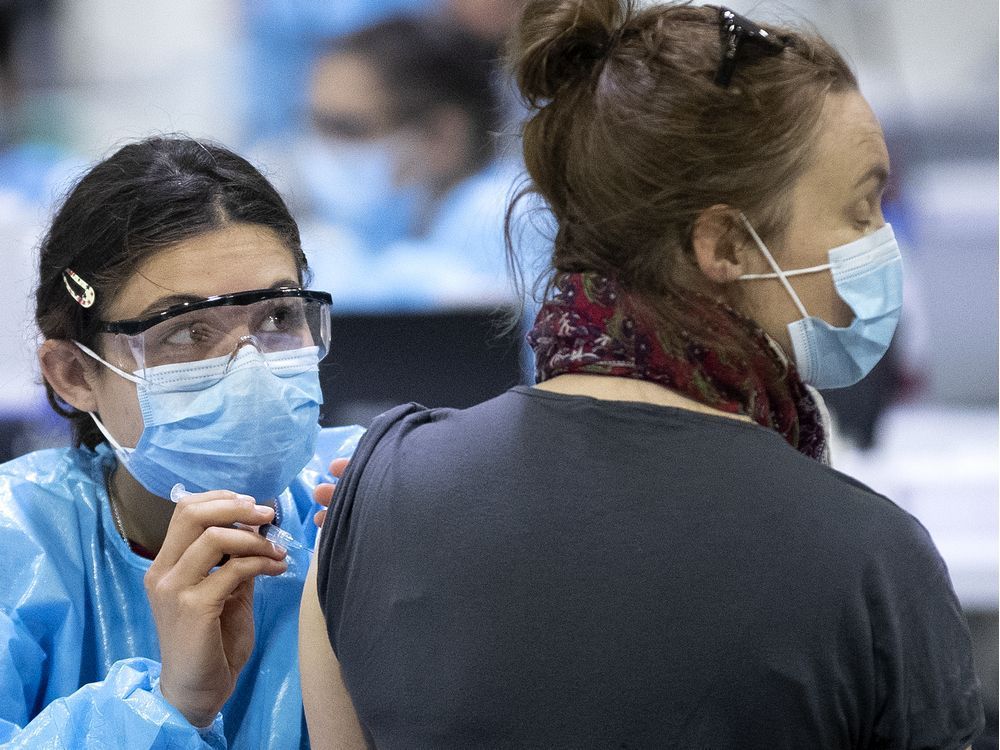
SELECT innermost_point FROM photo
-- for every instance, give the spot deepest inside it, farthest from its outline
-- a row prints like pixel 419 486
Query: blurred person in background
pixel 181 345
pixel 33 172
pixel 396 177
pixel 400 115
pixel 490 20
pixel 31 165
pixel 284 37
pixel 648 548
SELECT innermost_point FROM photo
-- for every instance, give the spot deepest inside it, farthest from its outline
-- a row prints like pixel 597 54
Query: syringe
pixel 272 533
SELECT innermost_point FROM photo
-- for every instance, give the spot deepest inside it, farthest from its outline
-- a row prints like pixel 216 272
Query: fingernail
pixel 263 510
pixel 278 548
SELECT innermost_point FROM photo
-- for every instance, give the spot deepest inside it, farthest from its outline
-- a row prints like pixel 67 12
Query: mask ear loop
pixel 117 371
pixel 796 272
pixel 774 266
pixel 128 376
pixel 119 448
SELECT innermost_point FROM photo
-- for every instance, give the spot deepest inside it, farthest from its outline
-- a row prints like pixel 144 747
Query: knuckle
pixel 243 505
pixel 242 564
pixel 157 587
pixel 237 568
pixel 248 567
pixel 187 599
pixel 185 504
pixel 235 502
pixel 215 535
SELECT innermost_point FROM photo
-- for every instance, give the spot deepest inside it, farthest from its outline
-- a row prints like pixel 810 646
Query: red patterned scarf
pixel 589 327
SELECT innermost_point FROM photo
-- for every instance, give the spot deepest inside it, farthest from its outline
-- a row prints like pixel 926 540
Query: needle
pixel 272 533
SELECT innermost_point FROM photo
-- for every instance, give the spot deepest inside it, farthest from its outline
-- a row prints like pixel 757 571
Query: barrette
pixel 85 295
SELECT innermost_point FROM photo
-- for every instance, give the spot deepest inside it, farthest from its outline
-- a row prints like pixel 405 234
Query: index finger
pixel 323 493
pixel 197 512
pixel 338 465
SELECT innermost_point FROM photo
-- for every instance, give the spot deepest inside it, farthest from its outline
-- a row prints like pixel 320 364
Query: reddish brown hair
pixel 631 139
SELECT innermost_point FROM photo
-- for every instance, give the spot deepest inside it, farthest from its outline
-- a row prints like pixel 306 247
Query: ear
pixel 718 244
pixel 69 373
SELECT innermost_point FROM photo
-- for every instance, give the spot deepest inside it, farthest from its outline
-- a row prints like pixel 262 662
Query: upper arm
pixel 927 687
pixel 330 713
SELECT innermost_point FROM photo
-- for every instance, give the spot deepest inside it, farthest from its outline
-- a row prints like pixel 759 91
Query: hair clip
pixel 86 296
pixel 734 31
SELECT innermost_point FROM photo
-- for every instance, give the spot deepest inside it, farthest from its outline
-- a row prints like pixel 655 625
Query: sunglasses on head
pixel 739 35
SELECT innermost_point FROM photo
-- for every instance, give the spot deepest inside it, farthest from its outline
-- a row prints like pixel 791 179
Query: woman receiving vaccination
pixel 648 549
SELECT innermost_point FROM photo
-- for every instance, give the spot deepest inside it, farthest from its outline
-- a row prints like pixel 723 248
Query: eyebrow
pixel 164 303
pixel 879 173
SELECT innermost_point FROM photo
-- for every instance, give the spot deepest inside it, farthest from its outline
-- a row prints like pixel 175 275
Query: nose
pixel 246 340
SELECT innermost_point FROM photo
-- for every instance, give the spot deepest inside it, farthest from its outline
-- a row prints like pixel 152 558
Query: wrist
pixel 197 714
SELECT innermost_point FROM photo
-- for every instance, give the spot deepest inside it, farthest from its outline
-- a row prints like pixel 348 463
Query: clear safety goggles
pixel 273 321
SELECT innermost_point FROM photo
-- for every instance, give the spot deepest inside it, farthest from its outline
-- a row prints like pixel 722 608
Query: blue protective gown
pixel 79 653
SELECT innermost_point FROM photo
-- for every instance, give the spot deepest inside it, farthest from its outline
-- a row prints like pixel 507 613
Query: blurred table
pixel 940 463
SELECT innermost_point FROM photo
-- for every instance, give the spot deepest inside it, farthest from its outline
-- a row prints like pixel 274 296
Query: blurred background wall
pixel 79 77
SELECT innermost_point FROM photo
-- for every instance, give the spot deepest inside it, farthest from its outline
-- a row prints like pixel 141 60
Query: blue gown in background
pixel 79 653
pixel 461 260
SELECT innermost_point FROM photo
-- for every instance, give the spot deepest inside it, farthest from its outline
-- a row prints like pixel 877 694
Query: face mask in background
pixel 352 183
pixel 252 430
pixel 868 276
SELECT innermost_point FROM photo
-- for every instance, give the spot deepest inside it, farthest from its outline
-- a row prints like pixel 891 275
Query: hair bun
pixel 559 42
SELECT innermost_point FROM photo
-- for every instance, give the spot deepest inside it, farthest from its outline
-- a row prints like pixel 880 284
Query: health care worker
pixel 181 344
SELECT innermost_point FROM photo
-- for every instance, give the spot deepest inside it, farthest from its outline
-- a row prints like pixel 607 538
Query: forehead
pixel 849 146
pixel 347 83
pixel 235 258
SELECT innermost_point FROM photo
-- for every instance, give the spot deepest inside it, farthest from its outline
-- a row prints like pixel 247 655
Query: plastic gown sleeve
pixel 125 710
pixel 49 612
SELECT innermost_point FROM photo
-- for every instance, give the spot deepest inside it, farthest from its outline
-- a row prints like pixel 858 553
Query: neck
pixel 609 388
pixel 145 517
pixel 591 326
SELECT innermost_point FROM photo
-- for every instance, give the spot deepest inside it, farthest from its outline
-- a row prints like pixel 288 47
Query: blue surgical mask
pixel 352 184
pixel 246 423
pixel 868 276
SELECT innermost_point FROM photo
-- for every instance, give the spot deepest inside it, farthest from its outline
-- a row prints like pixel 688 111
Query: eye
pixel 187 333
pixel 282 318
pixel 862 214
pixel 192 331
pixel 348 126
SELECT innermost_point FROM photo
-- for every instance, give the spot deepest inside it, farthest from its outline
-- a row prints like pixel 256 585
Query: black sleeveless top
pixel 555 571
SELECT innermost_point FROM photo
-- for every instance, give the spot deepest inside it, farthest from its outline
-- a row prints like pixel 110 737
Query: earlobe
pixel 64 368
pixel 713 238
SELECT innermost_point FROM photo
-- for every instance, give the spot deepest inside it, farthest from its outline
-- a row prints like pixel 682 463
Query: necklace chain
pixel 114 503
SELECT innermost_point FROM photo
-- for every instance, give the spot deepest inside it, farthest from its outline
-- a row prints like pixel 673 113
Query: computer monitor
pixel 437 358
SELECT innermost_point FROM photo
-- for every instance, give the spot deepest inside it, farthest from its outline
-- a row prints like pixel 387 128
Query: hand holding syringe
pixel 272 533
